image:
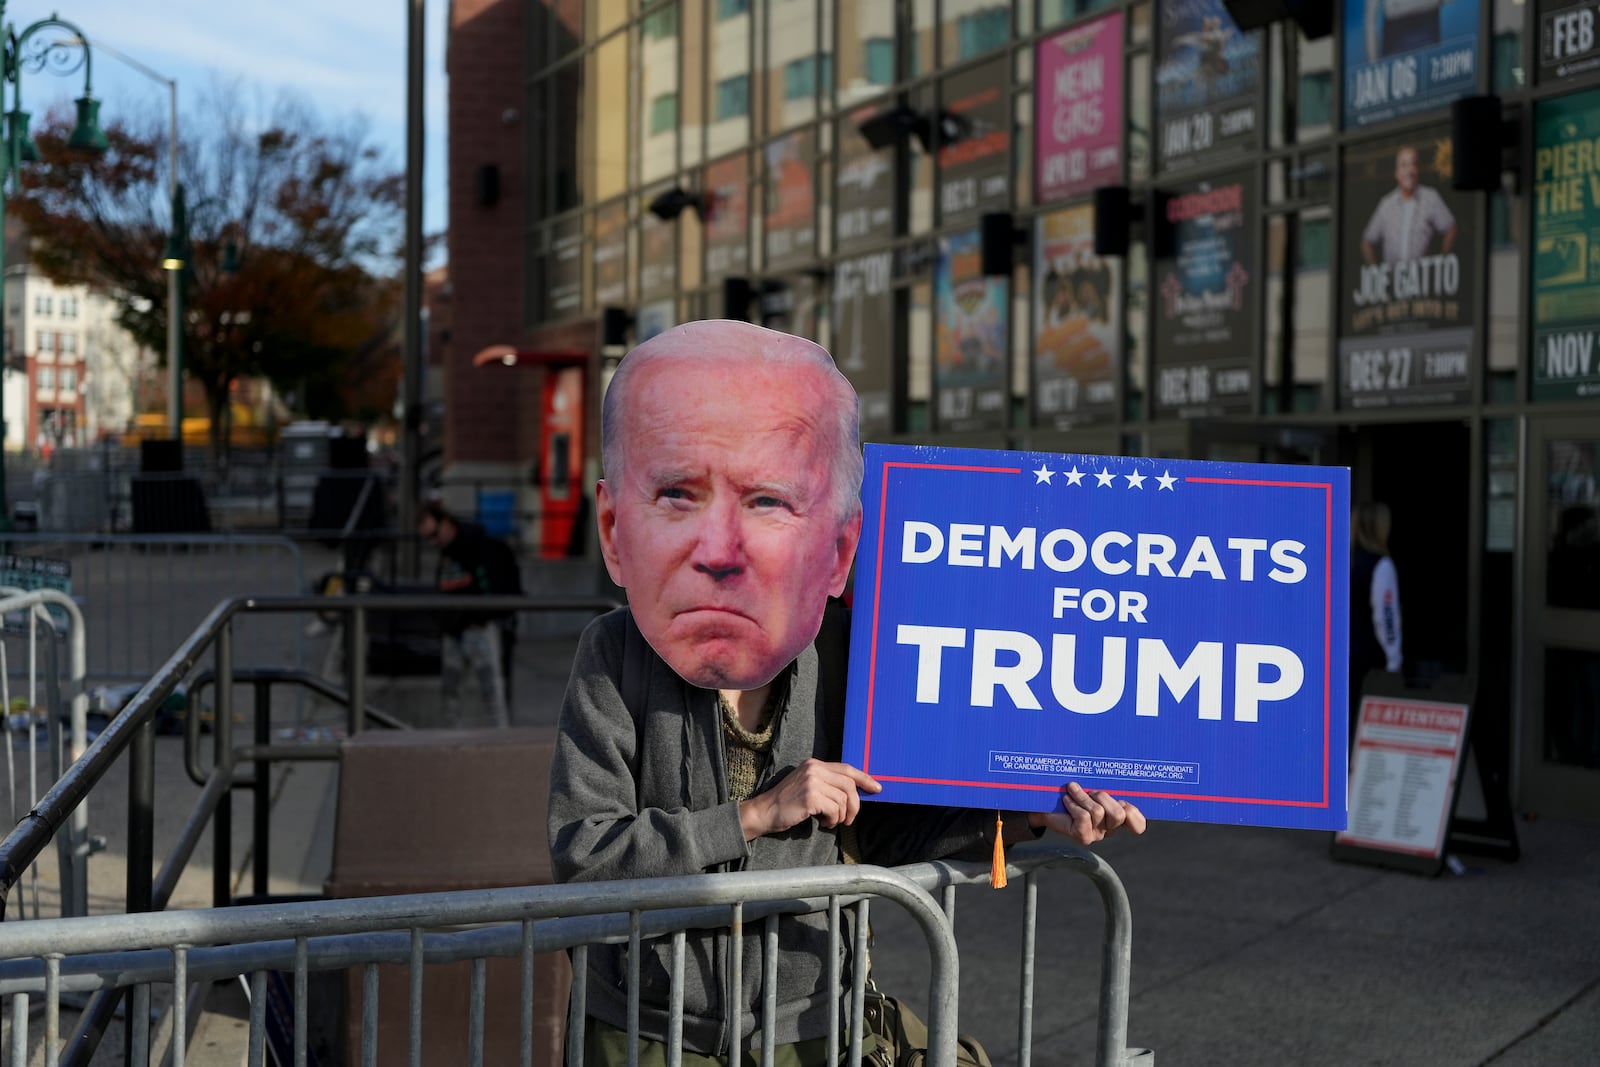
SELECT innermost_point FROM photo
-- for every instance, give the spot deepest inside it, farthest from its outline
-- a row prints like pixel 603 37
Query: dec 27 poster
pixel 1566 247
pixel 1170 630
pixel 1406 56
pixel 1405 334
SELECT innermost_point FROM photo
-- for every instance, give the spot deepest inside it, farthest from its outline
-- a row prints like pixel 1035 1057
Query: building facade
pixel 1329 248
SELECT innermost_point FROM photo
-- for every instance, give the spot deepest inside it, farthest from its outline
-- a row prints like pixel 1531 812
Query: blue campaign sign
pixel 1172 631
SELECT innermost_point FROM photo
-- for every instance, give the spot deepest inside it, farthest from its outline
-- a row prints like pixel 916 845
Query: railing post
pixel 262 848
pixel 356 668
pixel 222 757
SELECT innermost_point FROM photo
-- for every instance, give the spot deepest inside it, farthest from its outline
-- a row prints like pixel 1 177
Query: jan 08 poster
pixel 1406 56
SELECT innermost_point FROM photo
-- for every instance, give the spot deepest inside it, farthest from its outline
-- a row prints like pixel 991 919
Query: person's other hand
pixel 1087 817
pixel 830 791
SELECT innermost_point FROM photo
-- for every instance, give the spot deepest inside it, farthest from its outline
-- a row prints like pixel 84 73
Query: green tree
pixel 295 231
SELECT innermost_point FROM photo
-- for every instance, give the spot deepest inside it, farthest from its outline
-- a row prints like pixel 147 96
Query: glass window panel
pixel 1572 705
pixel 1141 23
pixel 691 88
pixel 919 376
pixel 924 32
pixel 1137 357
pixel 1505 290
pixel 1277 86
pixel 825 68
pixel 730 79
pixel 921 213
pixel 973 27
pixel 1572 515
pixel 608 15
pixel 1022 157
pixel 866 63
pixel 658 81
pixel 794 67
pixel 1314 103
pixel 545 161
pixel 1298 286
pixel 565 27
pixel 1055 12
pixel 608 176
pixel 1506 51
pixel 727 9
pixel 1138 89
pixel 568 104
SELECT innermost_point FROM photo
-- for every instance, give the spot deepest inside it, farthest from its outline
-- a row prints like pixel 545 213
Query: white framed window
pixel 47 379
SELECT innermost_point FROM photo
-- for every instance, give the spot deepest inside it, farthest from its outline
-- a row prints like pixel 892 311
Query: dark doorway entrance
pixel 1423 472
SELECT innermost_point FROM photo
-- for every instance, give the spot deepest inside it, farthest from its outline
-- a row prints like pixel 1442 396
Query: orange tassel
pixel 997 867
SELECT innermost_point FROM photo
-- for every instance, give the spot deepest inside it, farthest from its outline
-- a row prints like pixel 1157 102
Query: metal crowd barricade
pixel 29 640
pixel 48 958
pixel 142 594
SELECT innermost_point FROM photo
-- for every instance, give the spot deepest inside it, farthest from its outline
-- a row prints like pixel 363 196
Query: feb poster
pixel 1077 322
pixel 1406 56
pixel 1172 631
pixel 1079 121
pixel 1566 248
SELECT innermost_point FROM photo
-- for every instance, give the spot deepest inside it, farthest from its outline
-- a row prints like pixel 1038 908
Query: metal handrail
pixel 34 831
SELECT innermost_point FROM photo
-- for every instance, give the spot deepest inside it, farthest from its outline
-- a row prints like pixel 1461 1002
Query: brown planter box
pixel 424 811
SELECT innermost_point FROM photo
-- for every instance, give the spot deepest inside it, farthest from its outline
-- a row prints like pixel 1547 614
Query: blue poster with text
pixel 1402 57
pixel 1171 631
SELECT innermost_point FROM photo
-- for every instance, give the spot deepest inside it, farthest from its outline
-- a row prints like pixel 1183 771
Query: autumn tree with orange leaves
pixel 306 218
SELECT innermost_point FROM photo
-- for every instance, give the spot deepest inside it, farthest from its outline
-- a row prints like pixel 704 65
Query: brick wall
pixel 486 408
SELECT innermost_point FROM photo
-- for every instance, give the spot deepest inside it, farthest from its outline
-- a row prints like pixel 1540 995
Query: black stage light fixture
pixel 1114 215
pixel 1479 137
pixel 614 325
pixel 669 205
pixel 999 235
pixel 737 292
pixel 890 127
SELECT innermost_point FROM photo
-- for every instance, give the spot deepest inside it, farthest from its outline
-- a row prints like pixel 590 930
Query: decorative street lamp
pixel 25 52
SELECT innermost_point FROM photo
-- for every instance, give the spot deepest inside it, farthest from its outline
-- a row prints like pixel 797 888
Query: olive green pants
pixel 607 1046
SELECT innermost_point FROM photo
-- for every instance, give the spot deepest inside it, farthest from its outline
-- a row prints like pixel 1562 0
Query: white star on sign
pixel 1104 477
pixel 1135 480
pixel 1043 474
pixel 1166 479
pixel 1073 476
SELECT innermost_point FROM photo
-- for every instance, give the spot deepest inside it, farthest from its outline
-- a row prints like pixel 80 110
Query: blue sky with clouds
pixel 343 57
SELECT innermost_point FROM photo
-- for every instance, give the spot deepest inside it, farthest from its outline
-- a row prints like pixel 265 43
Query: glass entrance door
pixel 1560 715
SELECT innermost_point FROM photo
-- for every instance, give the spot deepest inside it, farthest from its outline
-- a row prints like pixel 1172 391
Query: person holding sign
pixel 702 726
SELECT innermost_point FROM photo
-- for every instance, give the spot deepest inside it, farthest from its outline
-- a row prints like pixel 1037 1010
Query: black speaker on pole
pixel 614 324
pixel 998 234
pixel 1478 136
pixel 1113 218
pixel 1314 17
pixel 736 297
pixel 1162 232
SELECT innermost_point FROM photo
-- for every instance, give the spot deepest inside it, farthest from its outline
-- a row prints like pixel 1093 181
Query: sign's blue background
pixel 1295 752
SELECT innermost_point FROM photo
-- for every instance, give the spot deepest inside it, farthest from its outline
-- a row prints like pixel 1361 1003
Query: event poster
pixel 1568 45
pixel 564 292
pixel 975 168
pixel 790 211
pixel 1207 84
pixel 863 335
pixel 863 210
pixel 1172 631
pixel 1077 322
pixel 1406 56
pixel 658 253
pixel 727 220
pixel 610 257
pixel 970 370
pixel 1566 247
pixel 1405 323
pixel 1205 293
pixel 1078 125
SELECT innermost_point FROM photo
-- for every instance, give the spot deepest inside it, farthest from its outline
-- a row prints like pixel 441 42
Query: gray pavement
pixel 1250 946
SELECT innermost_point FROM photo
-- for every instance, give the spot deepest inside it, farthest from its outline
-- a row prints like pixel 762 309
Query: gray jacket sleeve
pixel 599 829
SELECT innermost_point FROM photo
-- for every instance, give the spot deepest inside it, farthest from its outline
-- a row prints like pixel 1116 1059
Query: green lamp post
pixel 26 52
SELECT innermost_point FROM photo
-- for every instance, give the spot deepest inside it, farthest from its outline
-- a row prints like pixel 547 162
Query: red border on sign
pixel 1327 648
